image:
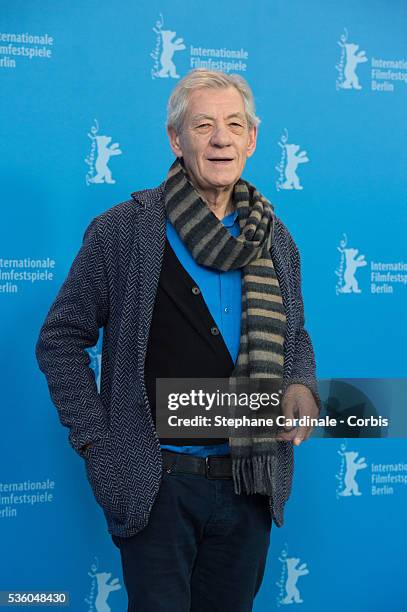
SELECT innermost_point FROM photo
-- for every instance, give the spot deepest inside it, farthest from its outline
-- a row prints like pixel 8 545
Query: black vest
pixel 184 341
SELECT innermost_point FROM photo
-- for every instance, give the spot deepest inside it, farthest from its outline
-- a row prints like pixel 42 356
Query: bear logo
pixel 168 68
pixel 352 263
pixel 104 153
pixel 294 572
pixel 352 467
pixel 352 60
pixel 104 590
pixel 293 160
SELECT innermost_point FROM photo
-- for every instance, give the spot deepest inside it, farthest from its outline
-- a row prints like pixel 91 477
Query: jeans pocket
pixel 102 475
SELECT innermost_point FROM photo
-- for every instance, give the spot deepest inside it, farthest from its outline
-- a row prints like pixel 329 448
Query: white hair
pixel 200 77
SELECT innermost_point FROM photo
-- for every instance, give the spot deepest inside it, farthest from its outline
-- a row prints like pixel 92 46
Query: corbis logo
pixel 291 570
pixel 291 158
pixel 100 153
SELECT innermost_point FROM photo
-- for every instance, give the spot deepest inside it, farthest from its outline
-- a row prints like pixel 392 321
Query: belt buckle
pixel 208 473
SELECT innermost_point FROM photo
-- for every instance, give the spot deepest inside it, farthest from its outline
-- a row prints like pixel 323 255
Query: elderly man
pixel 196 278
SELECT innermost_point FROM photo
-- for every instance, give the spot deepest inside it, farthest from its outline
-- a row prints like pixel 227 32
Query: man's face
pixel 215 140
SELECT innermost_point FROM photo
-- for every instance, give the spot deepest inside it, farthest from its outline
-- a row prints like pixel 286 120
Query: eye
pixel 203 125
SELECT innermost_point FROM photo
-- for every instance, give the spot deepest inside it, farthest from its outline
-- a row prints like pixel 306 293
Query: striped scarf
pixel 263 321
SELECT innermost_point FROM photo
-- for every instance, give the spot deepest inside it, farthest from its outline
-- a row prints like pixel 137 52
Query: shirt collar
pixel 229 219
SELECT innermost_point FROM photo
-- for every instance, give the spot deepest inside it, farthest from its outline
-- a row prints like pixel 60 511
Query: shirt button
pixel 214 331
pixel 226 309
pixel 196 290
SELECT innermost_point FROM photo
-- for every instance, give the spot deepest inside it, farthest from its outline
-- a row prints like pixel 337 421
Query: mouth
pixel 220 161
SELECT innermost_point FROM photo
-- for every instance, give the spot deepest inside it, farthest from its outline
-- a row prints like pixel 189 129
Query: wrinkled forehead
pixel 209 103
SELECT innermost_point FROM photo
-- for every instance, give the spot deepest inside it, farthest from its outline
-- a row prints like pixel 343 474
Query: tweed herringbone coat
pixel 112 285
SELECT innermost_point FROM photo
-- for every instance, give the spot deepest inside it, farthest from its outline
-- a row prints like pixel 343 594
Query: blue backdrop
pixel 84 90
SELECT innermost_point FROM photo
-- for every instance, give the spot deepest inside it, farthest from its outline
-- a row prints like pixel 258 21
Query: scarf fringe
pixel 258 474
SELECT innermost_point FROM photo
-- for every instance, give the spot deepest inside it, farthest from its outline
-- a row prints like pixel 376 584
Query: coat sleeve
pixel 303 370
pixel 72 325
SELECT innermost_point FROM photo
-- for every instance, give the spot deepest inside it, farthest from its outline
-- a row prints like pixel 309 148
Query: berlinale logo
pixel 350 58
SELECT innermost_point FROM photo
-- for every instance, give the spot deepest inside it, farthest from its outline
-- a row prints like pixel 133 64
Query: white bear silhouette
pixel 293 594
pixel 104 153
pixel 104 590
pixel 352 263
pixel 169 47
pixel 352 467
pixel 292 180
pixel 352 60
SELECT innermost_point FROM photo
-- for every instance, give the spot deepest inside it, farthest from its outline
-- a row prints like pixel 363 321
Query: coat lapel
pixel 150 246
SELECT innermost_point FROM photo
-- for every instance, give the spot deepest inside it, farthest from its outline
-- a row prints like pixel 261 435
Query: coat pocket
pixel 103 477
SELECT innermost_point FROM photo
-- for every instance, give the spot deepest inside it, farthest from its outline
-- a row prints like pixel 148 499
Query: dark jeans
pixel 204 548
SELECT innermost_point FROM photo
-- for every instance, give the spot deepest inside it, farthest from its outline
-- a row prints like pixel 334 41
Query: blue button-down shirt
pixel 222 294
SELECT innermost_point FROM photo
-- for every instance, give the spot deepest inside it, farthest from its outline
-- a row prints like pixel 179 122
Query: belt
pixel 213 466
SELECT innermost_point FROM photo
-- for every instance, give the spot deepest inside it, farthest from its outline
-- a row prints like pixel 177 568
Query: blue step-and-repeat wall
pixel 84 87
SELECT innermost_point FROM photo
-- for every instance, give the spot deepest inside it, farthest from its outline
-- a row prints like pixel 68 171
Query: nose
pixel 220 137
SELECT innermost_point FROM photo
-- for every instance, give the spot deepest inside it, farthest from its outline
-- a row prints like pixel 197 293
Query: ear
pixel 174 142
pixel 251 147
